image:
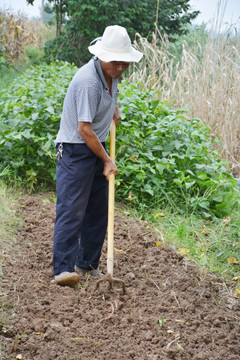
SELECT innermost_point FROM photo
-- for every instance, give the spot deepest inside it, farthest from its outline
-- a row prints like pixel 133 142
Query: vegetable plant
pixel 29 120
pixel 165 159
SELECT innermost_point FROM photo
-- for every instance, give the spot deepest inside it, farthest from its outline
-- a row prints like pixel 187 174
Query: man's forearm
pixel 92 141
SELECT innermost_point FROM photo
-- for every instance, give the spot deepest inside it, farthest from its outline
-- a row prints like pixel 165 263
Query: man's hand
pixel 117 115
pixel 109 168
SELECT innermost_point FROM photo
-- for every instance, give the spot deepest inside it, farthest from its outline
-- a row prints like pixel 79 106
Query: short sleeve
pixel 87 103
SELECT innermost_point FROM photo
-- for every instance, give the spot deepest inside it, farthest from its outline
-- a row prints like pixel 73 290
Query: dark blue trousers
pixel 81 209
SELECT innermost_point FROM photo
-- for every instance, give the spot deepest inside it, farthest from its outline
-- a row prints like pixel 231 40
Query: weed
pixel 160 322
pixel 9 222
pixel 85 284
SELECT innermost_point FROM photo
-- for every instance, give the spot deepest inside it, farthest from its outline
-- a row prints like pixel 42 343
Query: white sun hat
pixel 115 45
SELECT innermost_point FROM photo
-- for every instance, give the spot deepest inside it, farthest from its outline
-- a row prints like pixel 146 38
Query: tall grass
pixel 204 78
pixel 9 222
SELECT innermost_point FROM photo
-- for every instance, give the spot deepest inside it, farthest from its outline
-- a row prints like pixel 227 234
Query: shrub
pixel 35 55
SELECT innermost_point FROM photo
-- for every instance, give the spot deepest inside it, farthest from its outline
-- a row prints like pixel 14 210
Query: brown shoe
pixel 67 278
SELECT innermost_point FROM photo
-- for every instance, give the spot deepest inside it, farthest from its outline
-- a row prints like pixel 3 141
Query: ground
pixel 172 309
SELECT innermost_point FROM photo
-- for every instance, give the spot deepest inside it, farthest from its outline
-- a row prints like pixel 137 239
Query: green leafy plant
pixel 160 322
pixel 29 121
pixel 165 159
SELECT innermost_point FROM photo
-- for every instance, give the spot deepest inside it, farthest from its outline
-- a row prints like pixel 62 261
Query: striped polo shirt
pixel 88 99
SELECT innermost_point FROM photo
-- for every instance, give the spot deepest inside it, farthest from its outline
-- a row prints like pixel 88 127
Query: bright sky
pixel 208 9
pixel 228 11
pixel 21 5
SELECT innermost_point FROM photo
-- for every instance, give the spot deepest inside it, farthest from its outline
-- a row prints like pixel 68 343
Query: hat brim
pixel 132 55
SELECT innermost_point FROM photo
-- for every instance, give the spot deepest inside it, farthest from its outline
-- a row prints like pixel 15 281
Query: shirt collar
pixel 100 71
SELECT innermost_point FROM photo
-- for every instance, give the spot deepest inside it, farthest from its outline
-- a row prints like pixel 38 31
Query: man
pixel 83 165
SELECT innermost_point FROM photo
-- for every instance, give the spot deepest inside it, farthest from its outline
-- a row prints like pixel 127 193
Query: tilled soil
pixel 171 310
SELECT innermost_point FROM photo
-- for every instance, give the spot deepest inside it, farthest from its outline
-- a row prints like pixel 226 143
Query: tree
pixel 88 19
pixel 136 16
pixel 59 6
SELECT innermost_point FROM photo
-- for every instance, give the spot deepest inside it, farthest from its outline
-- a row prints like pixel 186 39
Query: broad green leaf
pixel 189 184
pixel 51 110
pixel 35 116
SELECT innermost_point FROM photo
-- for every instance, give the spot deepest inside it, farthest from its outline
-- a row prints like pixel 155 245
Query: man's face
pixel 114 69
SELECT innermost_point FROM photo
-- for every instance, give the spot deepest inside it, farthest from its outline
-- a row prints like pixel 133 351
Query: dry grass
pixel 207 81
pixel 17 32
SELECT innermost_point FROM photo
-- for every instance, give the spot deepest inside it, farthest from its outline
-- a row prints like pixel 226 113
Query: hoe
pixel 110 248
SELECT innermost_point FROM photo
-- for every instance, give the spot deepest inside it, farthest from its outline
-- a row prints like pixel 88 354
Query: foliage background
pixel 79 22
pixel 29 121
pixel 161 154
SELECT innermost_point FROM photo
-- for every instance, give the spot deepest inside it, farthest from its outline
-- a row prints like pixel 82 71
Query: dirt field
pixel 171 311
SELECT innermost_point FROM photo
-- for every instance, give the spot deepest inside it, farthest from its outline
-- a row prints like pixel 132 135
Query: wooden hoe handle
pixel 110 253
